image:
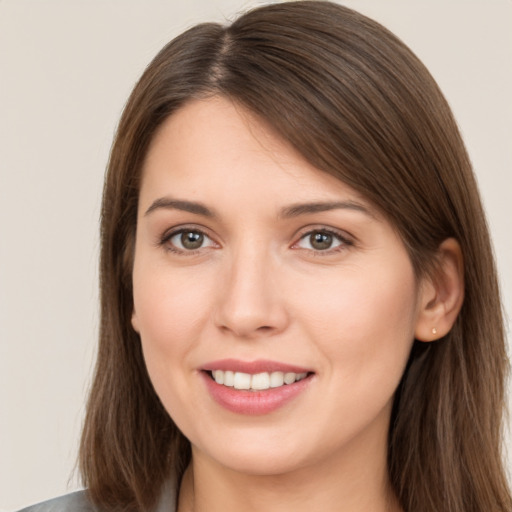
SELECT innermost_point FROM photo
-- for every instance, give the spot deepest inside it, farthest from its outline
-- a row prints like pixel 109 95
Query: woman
pixel 299 302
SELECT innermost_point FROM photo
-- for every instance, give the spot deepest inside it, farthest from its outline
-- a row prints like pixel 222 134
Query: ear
pixel 135 322
pixel 442 294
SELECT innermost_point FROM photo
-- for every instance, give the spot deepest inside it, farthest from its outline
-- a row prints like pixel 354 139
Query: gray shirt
pixel 78 502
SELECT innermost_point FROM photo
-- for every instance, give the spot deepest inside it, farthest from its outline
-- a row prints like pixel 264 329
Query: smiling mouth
pixel 256 382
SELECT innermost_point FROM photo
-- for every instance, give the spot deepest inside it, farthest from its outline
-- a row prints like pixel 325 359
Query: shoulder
pixel 74 502
pixel 79 502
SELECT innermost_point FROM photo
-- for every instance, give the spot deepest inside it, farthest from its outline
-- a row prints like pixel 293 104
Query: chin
pixel 263 464
pixel 257 455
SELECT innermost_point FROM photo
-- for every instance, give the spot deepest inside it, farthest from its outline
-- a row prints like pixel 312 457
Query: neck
pixel 353 481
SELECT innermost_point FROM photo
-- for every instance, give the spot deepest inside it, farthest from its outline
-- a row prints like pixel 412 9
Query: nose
pixel 251 299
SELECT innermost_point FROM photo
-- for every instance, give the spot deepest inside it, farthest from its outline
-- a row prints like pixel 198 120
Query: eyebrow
pixel 179 204
pixel 294 210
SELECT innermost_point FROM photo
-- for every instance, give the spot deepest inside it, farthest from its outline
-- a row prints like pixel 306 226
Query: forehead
pixel 217 148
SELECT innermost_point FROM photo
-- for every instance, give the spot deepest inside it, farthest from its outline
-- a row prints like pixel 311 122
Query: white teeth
pixel 256 382
pixel 218 375
pixel 289 378
pixel 242 380
pixel 260 381
pixel 276 379
pixel 229 378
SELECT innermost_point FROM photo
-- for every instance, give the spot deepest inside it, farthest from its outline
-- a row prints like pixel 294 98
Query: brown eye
pixel 321 241
pixel 188 240
pixel 191 240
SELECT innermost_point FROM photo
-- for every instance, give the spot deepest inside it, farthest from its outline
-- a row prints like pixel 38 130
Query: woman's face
pixel 254 268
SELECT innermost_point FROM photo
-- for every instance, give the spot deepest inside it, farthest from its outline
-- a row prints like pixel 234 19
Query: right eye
pixel 187 240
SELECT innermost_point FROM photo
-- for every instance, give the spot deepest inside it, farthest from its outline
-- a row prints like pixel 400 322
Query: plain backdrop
pixel 66 69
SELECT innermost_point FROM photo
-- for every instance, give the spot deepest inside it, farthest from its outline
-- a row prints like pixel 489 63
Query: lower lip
pixel 254 402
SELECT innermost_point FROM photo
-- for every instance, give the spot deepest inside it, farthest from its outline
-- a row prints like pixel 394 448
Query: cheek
pixel 363 322
pixel 170 312
pixel 363 326
pixel 363 300
pixel 168 306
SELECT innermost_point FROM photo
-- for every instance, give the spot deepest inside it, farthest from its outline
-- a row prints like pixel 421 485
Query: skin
pixel 257 288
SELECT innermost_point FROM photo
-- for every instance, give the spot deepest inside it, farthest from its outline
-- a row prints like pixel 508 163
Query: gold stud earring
pixel 434 330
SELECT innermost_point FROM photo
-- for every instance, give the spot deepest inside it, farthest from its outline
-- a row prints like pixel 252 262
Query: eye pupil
pixel 192 239
pixel 321 241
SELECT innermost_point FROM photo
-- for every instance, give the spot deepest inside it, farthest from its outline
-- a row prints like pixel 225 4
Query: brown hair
pixel 356 103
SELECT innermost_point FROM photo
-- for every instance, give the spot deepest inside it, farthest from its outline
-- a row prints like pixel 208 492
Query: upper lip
pixel 253 367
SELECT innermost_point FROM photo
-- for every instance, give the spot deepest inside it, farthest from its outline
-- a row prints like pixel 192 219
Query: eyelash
pixel 344 241
pixel 167 237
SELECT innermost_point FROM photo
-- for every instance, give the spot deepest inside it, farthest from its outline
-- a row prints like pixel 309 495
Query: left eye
pixel 190 240
pixel 320 241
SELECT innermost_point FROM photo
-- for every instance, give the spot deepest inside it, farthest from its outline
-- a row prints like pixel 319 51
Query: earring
pixel 434 330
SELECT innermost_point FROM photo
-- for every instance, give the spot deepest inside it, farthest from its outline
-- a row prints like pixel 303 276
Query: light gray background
pixel 66 69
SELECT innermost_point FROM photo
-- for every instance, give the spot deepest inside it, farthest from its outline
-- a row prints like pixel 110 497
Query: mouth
pixel 256 382
pixel 256 387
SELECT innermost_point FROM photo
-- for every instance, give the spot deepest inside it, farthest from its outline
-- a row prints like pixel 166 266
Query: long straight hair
pixel 357 104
